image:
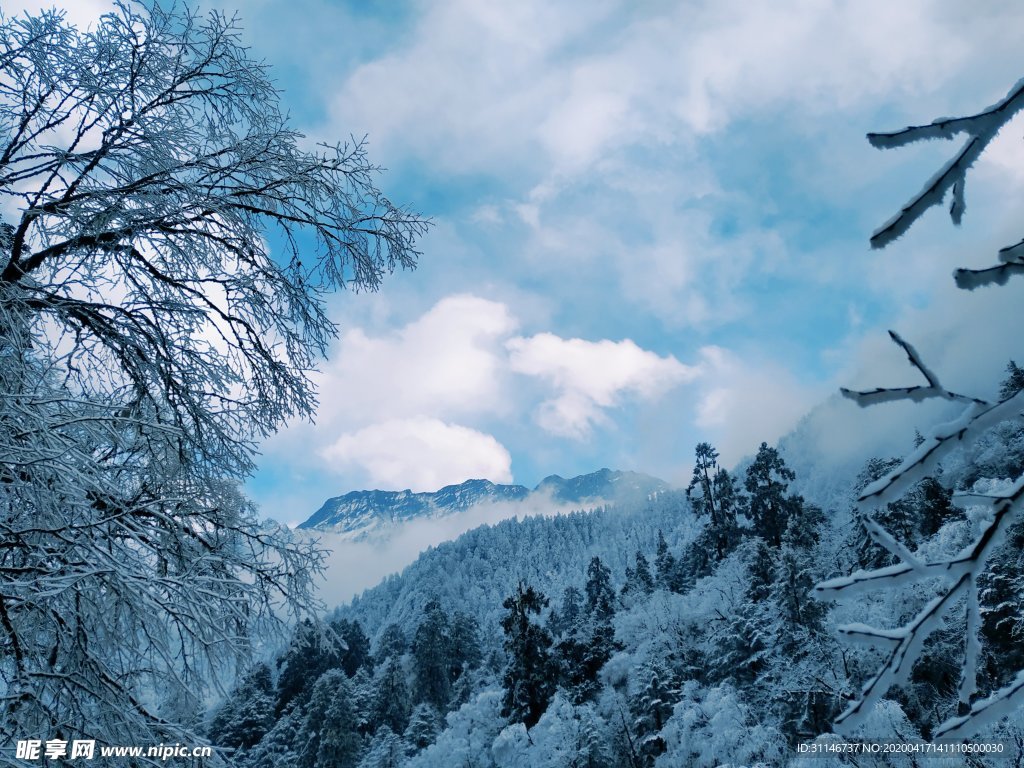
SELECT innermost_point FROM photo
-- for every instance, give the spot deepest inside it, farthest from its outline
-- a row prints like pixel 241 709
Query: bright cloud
pixel 420 453
pixel 616 178
pixel 548 79
pixel 743 403
pixel 446 363
pixel 427 404
pixel 591 377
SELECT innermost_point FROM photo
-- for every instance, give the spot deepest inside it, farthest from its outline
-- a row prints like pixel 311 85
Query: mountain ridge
pixel 362 514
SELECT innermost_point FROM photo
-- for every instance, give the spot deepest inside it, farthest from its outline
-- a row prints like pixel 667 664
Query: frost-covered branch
pixel 916 393
pixel 956 576
pixel 163 267
pixel 980 128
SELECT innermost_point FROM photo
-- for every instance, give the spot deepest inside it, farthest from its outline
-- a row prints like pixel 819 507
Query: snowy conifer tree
pixel 529 678
pixel 766 482
pixel 391 700
pixel 424 724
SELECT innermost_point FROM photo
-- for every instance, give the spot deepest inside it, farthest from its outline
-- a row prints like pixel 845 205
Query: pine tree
pixel 283 743
pixel 935 506
pixel 599 591
pixel 767 481
pixel 704 469
pixel 528 680
pixel 386 750
pixel 745 646
pixel 313 650
pixel 391 700
pixel 585 650
pixel 330 730
pixel 424 725
pixel 644 579
pixel 1014 381
pixel 464 645
pixel 1001 594
pixel 431 652
pixel 725 530
pixel 665 569
pixel 799 614
pixel 639 581
pixel 248 713
pixel 357 646
pixel 567 619
pixel 651 710
pixel 392 643
pixel 760 571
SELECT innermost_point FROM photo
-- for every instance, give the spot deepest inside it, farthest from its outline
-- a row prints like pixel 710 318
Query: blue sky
pixel 651 226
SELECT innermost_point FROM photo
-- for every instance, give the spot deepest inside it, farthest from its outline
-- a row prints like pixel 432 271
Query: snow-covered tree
pixel 665 569
pixel 704 469
pixel 998 508
pixel 356 653
pixel 567 736
pixel 639 580
pixel 386 750
pixel 163 264
pixel 424 723
pixel 567 618
pixel 651 710
pixel 391 699
pixel 314 649
pixel 248 713
pixel 331 738
pixel 767 482
pixel 431 653
pixel 467 739
pixel 391 643
pixel 529 678
pixel 1014 381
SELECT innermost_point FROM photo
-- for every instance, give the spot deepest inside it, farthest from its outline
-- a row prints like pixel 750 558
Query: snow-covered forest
pixel 677 631
pixel 169 249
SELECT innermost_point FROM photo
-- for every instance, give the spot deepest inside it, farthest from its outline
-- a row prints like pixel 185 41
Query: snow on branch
pixel 905 642
pixel 988 710
pixel 980 128
pixel 1011 262
pixel 923 461
pixel 901 656
pixel 955 578
pixel 916 393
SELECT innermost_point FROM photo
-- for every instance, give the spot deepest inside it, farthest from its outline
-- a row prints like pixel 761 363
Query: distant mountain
pixel 364 514
pixel 604 485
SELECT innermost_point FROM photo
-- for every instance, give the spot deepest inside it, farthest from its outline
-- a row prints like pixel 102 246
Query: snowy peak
pixel 362 514
pixel 603 485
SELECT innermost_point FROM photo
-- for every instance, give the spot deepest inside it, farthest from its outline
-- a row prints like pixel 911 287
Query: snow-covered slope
pixel 478 570
pixel 360 515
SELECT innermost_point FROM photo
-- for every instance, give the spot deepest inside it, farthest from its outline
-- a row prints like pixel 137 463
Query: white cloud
pixel 550 87
pixel 742 403
pixel 446 362
pixel 426 404
pixel 420 453
pixel 82 13
pixel 590 377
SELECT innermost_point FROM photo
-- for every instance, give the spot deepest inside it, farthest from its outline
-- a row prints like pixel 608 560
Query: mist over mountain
pixel 373 514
